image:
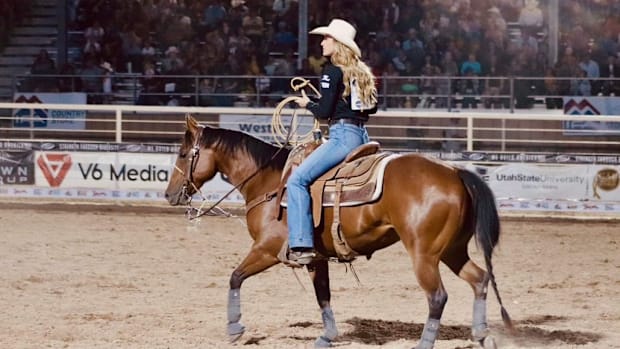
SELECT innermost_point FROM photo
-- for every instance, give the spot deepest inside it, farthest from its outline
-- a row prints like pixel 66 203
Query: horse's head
pixel 194 166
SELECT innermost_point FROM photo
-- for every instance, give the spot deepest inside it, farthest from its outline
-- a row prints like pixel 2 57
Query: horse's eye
pixel 182 155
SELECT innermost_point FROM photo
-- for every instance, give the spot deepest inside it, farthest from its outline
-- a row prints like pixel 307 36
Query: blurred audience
pixel 43 65
pixel 426 39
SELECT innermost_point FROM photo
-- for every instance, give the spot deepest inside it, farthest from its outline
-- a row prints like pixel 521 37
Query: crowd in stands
pixel 12 13
pixel 412 44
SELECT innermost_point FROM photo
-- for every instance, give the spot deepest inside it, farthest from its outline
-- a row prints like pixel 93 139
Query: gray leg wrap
pixel 234 305
pixel 429 334
pixel 479 328
pixel 329 324
pixel 235 329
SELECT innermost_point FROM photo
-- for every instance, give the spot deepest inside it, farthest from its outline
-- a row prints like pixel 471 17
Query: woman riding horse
pixel 433 208
pixel 348 97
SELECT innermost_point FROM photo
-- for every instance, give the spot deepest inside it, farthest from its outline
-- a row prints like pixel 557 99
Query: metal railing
pixel 396 130
pixel 395 92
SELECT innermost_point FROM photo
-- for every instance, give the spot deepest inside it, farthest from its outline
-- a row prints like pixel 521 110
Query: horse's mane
pixel 231 141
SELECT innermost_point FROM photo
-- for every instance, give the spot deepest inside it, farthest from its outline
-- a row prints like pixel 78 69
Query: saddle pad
pixel 356 190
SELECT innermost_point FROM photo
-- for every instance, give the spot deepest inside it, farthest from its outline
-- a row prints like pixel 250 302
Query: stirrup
pixel 295 259
pixel 301 258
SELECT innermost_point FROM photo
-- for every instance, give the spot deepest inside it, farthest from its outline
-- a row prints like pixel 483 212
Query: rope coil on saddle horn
pixel 279 130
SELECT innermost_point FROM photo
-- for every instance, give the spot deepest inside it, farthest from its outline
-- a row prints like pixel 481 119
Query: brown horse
pixel 433 208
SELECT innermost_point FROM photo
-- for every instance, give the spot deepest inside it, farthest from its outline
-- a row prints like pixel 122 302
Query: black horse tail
pixel 487 227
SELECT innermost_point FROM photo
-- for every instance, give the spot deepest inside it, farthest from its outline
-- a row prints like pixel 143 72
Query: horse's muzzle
pixel 178 198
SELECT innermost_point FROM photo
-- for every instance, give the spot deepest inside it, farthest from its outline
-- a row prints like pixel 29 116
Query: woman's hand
pixel 303 100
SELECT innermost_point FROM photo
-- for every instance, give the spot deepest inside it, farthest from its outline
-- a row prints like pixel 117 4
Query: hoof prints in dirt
pixel 378 332
pixel 254 340
pixel 527 333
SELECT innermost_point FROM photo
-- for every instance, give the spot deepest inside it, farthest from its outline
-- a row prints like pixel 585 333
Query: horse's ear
pixel 191 123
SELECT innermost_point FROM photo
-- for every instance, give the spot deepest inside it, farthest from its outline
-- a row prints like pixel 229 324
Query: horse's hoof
pixel 323 342
pixel 480 334
pixel 488 343
pixel 235 331
pixel 424 345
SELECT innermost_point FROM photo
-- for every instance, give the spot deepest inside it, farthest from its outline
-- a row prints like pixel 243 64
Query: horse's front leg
pixel 319 272
pixel 255 262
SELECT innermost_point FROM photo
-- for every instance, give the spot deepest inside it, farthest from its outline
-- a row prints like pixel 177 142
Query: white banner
pixel 539 181
pixel 260 125
pixel 140 176
pixel 103 170
pixel 576 105
pixel 557 182
pixel 50 118
pixel 114 175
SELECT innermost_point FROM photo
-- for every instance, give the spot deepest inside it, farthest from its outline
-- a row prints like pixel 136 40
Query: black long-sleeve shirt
pixel 332 106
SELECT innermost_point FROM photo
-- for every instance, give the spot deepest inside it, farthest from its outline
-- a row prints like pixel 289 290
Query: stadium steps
pixel 37 31
pixel 17 51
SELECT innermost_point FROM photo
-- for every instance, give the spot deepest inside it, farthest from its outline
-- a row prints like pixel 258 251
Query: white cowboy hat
pixel 107 66
pixel 341 31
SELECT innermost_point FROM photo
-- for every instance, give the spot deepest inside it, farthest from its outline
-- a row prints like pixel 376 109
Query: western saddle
pixel 358 179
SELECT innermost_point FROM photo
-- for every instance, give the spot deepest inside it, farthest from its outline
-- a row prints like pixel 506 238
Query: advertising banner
pixel 585 106
pixel 16 168
pixel 89 147
pixel 109 175
pixel 103 170
pixel 50 118
pixel 539 181
pixel 565 182
pixel 260 125
pixel 557 188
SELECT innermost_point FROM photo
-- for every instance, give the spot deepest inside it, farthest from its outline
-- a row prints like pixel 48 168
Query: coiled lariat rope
pixel 279 129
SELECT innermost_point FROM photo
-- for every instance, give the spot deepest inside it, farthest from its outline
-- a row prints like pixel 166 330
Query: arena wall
pixel 127 153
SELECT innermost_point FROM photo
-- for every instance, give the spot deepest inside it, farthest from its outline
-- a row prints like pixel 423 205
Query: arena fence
pixel 397 130
pixel 534 161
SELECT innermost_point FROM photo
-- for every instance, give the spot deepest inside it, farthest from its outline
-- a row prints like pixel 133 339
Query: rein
pixel 193 213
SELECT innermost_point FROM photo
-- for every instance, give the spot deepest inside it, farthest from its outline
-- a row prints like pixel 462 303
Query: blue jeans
pixel 343 138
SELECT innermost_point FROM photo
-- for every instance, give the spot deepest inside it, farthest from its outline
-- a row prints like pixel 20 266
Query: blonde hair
pixel 354 68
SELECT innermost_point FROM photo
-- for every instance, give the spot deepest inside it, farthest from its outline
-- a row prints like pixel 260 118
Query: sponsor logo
pixel 476 156
pixel 16 168
pixel 582 108
pixel 562 158
pixel 48 146
pixel 54 167
pixel 134 148
pixel 30 117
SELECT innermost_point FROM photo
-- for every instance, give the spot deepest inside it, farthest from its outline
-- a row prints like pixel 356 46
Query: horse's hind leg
pixel 319 272
pixel 466 269
pixel 427 272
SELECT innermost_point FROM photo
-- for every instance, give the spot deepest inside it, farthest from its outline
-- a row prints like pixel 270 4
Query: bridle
pixel 214 210
pixel 193 212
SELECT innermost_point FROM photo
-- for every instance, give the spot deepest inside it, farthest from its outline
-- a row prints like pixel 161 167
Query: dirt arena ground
pixel 95 277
